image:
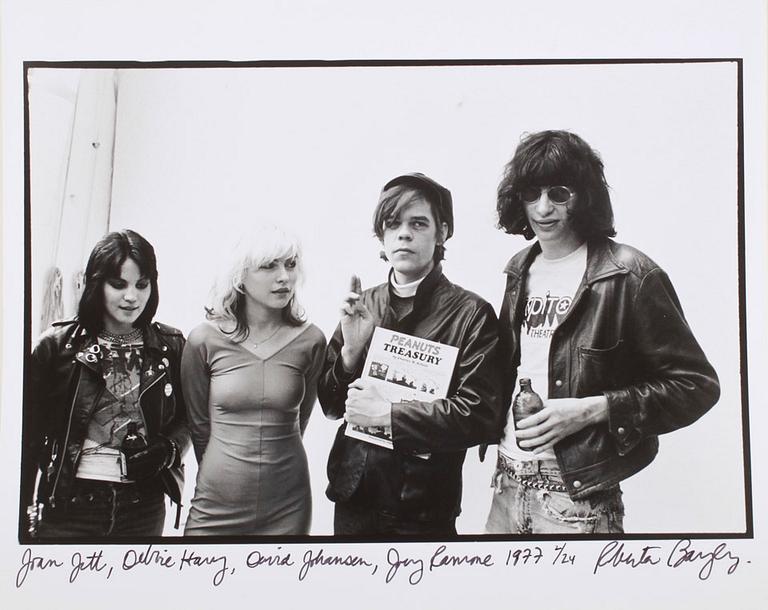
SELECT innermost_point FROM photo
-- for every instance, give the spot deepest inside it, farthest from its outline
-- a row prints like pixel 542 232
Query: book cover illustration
pixel 404 367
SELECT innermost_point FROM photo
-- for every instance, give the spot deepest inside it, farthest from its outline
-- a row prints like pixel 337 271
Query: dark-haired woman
pixel 249 375
pixel 109 373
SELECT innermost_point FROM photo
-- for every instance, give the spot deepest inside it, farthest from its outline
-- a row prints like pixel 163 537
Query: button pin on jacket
pixel 168 389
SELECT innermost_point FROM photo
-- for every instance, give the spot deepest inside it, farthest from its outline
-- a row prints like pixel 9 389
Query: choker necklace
pixel 256 344
pixel 135 336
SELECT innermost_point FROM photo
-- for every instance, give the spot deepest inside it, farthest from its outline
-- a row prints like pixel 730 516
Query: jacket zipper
pixel 66 439
pixel 51 498
pixel 141 394
pixel 52 494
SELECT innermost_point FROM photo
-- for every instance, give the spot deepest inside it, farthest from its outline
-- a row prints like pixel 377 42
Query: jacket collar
pixel 89 353
pixel 152 340
pixel 601 262
pixel 425 289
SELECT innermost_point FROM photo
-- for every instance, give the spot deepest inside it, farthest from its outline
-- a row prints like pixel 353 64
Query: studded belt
pixel 536 481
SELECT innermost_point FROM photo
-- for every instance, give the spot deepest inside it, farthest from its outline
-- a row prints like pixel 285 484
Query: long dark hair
pixel 548 158
pixel 105 262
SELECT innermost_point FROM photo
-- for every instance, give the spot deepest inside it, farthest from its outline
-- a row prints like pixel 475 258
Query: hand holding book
pixel 399 368
pixel 366 406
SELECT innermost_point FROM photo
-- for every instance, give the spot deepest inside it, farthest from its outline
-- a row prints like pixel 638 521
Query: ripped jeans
pixel 518 508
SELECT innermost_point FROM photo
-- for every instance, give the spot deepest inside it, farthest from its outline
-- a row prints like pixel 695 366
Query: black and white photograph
pixel 199 246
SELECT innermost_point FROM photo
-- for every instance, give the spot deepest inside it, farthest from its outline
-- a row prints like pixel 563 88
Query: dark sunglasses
pixel 559 195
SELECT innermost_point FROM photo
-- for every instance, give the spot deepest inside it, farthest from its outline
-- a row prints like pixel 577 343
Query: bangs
pixel 392 203
pixel 393 208
pixel 262 255
pixel 547 165
pixel 112 265
pixel 264 245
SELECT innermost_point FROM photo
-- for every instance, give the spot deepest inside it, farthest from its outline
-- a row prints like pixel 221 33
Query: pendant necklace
pixel 256 344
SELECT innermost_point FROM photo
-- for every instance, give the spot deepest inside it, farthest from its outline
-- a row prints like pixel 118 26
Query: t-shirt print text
pixel 544 314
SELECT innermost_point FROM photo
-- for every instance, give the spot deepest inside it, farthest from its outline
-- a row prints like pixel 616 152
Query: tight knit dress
pixel 247 415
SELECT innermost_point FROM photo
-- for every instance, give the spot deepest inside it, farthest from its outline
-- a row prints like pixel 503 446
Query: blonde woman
pixel 249 375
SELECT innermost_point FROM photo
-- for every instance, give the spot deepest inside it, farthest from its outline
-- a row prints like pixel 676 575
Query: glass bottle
pixel 526 402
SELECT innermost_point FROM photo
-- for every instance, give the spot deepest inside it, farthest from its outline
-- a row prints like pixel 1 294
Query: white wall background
pixel 200 153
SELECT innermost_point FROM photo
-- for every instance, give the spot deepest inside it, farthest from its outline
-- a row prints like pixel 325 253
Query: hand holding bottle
pixel 559 418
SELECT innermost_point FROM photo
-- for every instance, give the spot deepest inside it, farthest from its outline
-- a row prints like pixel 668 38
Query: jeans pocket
pixel 578 514
pixel 601 513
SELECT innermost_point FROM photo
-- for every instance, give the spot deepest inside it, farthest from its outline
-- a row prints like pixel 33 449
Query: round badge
pixel 168 389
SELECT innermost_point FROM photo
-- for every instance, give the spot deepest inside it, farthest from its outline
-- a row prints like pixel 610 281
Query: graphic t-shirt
pixel 101 457
pixel 550 288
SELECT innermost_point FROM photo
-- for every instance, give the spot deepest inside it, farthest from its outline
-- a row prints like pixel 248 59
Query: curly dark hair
pixel 548 158
pixel 105 262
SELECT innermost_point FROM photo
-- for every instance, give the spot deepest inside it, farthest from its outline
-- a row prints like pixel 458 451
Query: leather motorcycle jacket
pixel 64 384
pixel 625 337
pixel 397 481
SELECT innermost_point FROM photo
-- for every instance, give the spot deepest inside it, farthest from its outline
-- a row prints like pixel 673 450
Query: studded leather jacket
pixel 624 337
pixel 63 385
pixel 398 481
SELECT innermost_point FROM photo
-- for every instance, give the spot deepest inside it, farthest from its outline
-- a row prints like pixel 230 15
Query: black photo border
pixel 23 536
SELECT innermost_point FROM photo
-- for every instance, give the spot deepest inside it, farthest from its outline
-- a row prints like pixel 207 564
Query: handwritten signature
pixel 311 560
pixel 439 559
pixel 615 554
pixel 30 563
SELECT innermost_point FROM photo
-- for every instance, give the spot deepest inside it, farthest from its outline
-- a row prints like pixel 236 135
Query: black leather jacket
pixel 64 383
pixel 624 336
pixel 397 481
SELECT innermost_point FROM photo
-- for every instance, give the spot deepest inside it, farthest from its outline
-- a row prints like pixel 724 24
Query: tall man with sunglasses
pixel 597 327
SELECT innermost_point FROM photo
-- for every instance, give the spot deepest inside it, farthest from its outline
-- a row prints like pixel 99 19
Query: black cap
pixel 442 196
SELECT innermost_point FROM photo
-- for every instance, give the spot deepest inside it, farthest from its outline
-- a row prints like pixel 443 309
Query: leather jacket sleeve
pixel 469 414
pixel 40 367
pixel 334 380
pixel 679 384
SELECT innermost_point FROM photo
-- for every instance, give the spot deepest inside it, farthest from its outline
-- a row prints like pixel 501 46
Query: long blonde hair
pixel 255 247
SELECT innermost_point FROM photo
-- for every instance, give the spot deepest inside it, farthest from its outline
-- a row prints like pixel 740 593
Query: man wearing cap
pixel 598 329
pixel 415 488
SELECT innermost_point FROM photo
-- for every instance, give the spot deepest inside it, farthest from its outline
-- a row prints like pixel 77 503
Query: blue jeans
pixel 101 509
pixel 522 508
pixel 352 520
